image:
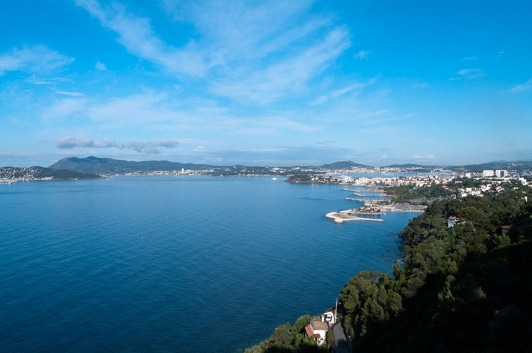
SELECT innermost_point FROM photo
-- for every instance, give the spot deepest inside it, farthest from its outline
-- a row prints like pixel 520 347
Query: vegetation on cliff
pixel 287 339
pixel 462 288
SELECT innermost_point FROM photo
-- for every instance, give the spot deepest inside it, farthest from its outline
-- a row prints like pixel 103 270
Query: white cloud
pixel 523 87
pixel 341 91
pixel 147 107
pixel 137 36
pixel 338 93
pixel 285 77
pixel 99 66
pixel 70 93
pixel 256 52
pixel 421 156
pixel 319 100
pixel 69 142
pixel 362 55
pixel 65 107
pixel 33 59
pixel 148 147
pixel 245 31
pixel 471 74
pixel 152 147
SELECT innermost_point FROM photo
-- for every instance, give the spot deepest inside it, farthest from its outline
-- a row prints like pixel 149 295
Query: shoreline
pixel 343 216
pixel 371 208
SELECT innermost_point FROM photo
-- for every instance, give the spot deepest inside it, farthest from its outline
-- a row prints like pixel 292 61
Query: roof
pixel 310 333
pixel 319 325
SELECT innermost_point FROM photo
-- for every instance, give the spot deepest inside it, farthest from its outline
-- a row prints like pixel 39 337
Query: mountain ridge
pixel 99 165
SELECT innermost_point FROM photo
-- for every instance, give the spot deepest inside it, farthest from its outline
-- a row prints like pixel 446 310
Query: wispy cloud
pixel 249 51
pixel 354 87
pixel 523 87
pixel 100 66
pixel 285 77
pixel 237 31
pixel 137 36
pixel 147 147
pixel 33 59
pixel 320 100
pixel 152 147
pixel 347 89
pixel 146 107
pixel 471 74
pixel 70 93
pixel 362 54
pixel 66 107
pixel 422 156
pixel 69 142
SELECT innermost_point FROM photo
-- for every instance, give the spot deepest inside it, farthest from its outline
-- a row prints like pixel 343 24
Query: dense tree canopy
pixel 464 288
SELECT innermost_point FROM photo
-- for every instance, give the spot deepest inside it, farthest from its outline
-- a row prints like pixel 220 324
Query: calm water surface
pixel 174 264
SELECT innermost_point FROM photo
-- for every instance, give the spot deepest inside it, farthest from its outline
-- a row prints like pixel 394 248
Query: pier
pixel 343 216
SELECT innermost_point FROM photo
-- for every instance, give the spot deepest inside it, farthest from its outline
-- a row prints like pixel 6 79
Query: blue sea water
pixel 174 264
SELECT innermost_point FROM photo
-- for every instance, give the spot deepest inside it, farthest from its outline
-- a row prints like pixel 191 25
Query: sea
pixel 175 263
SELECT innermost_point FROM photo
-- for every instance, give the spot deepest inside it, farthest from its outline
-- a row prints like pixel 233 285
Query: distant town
pixel 338 172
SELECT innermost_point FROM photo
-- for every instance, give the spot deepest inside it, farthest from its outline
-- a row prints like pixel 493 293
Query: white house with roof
pixel 317 329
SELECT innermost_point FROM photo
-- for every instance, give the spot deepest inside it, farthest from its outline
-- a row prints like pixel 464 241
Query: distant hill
pixel 518 166
pixel 110 166
pixel 117 166
pixel 409 166
pixel 344 165
pixel 41 173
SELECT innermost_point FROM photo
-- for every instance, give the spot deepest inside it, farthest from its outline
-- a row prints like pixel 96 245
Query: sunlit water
pixel 174 264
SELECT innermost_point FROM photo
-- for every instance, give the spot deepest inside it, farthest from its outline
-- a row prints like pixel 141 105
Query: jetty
pixel 343 216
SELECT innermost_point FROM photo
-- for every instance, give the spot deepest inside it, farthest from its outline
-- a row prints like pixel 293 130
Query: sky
pixel 266 83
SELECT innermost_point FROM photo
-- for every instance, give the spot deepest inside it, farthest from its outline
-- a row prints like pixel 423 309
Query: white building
pixel 486 173
pixel 501 173
pixel 317 329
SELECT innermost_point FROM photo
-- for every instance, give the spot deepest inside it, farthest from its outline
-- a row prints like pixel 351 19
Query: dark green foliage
pixel 289 339
pixel 344 165
pixel 112 166
pixel 419 194
pixel 465 288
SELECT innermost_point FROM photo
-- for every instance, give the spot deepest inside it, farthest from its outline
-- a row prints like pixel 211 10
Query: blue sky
pixel 266 82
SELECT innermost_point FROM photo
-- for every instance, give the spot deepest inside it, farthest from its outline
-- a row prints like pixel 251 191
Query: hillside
pixel 513 166
pixel 41 173
pixel 464 288
pixel 344 165
pixel 116 166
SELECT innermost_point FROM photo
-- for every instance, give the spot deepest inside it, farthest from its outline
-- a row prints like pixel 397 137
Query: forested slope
pixel 466 288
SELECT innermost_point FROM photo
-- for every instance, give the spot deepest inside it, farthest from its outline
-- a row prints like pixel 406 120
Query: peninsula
pixel 14 174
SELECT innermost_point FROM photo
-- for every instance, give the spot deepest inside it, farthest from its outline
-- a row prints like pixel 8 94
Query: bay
pixel 174 264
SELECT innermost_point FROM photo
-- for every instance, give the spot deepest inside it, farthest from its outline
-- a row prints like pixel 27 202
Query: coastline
pixel 370 208
pixel 342 216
